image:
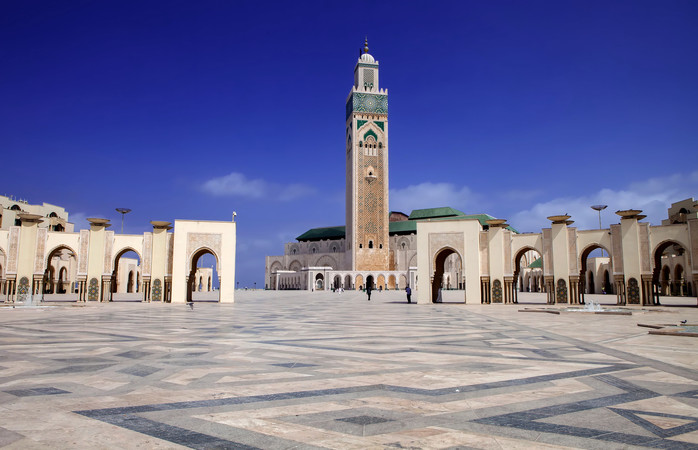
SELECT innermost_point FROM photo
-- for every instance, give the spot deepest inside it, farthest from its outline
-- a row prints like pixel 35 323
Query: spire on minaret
pixel 366 45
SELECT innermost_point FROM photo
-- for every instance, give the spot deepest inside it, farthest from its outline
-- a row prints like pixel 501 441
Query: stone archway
pixel 439 267
pixel 59 275
pixel 531 265
pixel 588 276
pixel 665 255
pixel 193 280
pixel 370 282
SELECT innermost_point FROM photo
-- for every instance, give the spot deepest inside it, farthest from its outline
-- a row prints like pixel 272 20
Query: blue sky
pixel 193 110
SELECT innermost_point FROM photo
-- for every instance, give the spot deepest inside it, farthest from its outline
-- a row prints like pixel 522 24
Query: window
pixel 370 244
pixel 361 245
pixel 380 245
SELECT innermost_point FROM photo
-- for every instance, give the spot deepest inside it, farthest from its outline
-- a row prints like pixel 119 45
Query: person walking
pixel 368 292
pixel 408 291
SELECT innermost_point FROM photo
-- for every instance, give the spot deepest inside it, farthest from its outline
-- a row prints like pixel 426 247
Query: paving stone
pixel 227 376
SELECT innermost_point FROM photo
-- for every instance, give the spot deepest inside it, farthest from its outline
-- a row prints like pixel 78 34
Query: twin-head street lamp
pixel 599 208
pixel 123 212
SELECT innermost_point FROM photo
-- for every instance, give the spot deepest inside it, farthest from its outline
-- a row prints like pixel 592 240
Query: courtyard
pixel 296 369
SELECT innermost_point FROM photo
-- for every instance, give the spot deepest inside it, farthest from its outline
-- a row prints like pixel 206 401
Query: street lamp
pixel 123 212
pixel 599 208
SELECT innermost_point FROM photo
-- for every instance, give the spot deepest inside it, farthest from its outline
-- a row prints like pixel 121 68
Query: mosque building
pixel 441 247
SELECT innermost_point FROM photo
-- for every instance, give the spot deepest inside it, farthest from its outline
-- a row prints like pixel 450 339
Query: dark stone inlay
pixel 633 416
pixel 133 354
pixel 140 371
pixel 80 368
pixel 293 365
pixel 365 420
pixel 36 391
pixel 173 434
pixel 687 394
pixel 84 360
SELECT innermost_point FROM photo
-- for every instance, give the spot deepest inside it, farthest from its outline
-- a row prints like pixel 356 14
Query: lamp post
pixel 123 212
pixel 599 208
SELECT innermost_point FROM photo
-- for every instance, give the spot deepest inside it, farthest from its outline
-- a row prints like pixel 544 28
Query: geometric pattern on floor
pixel 283 370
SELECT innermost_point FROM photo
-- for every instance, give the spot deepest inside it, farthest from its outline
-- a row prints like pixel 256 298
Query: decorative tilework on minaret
pixel 367 169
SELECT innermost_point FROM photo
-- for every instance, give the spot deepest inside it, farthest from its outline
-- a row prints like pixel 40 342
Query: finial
pixel 366 45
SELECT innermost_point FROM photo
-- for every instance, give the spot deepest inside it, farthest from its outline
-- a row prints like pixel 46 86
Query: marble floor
pixel 280 370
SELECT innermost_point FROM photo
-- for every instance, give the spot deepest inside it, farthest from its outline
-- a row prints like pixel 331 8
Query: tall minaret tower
pixel 367 169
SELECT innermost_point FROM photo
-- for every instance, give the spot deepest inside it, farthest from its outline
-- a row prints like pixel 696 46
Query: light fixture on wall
pixel 123 212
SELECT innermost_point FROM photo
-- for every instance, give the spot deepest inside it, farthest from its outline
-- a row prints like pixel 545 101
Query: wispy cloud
pixel 238 185
pixel 80 220
pixel 652 196
pixel 431 195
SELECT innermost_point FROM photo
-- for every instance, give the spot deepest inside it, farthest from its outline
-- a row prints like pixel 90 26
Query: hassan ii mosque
pixel 443 248
pixel 42 257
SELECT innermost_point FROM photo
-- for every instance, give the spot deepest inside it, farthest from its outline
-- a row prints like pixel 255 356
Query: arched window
pixel 370 244
pixel 380 245
pixel 314 250
pixel 361 144
pixel 53 214
pixel 15 208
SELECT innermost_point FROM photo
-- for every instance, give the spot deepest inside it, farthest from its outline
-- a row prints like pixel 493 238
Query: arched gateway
pixel 84 266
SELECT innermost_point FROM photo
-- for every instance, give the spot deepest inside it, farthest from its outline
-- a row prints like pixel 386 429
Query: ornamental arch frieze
pixel 202 243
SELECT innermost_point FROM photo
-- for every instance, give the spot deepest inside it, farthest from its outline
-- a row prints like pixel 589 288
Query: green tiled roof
pixel 432 213
pixel 400 227
pixel 537 264
pixel 404 226
pixel 315 234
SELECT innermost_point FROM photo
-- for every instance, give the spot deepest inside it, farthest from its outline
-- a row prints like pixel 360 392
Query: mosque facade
pixel 484 257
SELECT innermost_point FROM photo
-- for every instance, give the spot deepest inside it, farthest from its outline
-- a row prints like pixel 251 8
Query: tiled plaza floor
pixel 323 370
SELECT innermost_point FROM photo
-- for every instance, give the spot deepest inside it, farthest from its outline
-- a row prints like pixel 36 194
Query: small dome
pixel 366 57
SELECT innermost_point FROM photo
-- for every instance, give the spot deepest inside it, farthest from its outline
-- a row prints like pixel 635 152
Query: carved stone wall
pixel 437 241
pixel 197 241
pixel 547 251
pixel 13 251
pixel 485 254
pixel 508 266
pixel 84 248
pixel 170 253
pixel 645 257
pixel 617 249
pixel 41 236
pixel 147 254
pixel 572 251
pixel 108 249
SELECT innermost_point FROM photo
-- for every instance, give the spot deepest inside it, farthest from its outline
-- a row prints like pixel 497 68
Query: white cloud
pixel 238 185
pixel 80 220
pixel 652 196
pixel 432 195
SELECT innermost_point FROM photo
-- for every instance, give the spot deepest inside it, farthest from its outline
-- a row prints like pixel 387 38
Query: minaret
pixel 367 169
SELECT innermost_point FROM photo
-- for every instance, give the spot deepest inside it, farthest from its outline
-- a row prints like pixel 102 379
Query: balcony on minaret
pixel 370 174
